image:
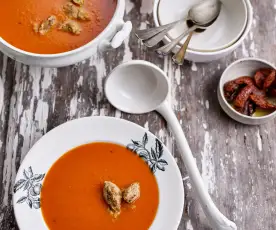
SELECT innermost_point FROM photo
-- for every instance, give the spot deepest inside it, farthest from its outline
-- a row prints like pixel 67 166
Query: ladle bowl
pixel 138 87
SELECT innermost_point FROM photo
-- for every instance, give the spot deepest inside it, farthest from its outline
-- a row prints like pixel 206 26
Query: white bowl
pixel 242 67
pixel 197 56
pixel 112 36
pixel 225 31
pixel 98 129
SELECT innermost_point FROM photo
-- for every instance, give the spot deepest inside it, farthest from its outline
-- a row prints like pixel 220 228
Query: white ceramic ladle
pixel 138 87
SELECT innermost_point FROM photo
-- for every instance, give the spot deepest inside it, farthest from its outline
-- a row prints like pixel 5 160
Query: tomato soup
pixel 18 17
pixel 72 192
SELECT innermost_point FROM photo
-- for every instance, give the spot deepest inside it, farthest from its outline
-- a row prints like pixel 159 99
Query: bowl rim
pixel 227 49
pixel 232 65
pixel 230 43
pixel 74 51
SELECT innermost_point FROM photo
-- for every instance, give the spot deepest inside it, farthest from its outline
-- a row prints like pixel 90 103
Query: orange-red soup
pixel 17 18
pixel 71 197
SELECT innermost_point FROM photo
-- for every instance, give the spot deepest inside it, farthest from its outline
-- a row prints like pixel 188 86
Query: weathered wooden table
pixel 237 162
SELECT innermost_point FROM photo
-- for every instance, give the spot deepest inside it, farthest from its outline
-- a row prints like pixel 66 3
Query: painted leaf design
pixel 158 148
pixel 144 156
pixel 29 202
pixel 26 175
pixel 18 185
pixel 160 167
pixel 38 177
pixel 138 144
pixel 131 147
pixel 153 168
pixel 35 199
pixel 36 205
pixel 153 154
pixel 162 162
pixel 21 200
pixel 145 139
pixel 30 171
pixel 27 185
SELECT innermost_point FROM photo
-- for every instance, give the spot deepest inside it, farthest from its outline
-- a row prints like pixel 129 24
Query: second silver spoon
pixel 202 16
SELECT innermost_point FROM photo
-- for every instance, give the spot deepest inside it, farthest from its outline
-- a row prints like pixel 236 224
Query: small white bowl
pixel 225 31
pixel 197 56
pixel 242 67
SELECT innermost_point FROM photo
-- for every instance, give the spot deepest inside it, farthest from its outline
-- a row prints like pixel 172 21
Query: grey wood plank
pixel 6 77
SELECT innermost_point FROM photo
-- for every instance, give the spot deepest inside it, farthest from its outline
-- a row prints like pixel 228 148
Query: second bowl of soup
pixel 61 32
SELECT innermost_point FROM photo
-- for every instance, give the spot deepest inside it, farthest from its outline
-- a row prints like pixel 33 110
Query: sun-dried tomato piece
pixel 245 80
pixel 270 79
pixel 230 90
pixel 243 110
pixel 259 78
pixel 272 92
pixel 266 71
pixel 251 108
pixel 261 102
pixel 259 92
pixel 243 96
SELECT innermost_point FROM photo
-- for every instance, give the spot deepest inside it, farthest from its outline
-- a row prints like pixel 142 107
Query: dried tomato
pixel 230 90
pixel 270 80
pixel 244 81
pixel 259 78
pixel 272 92
pixel 251 108
pixel 243 96
pixel 261 102
pixel 266 71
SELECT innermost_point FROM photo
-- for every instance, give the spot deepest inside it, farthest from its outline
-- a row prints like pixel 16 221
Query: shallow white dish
pixel 225 31
pixel 94 129
pixel 197 56
pixel 242 67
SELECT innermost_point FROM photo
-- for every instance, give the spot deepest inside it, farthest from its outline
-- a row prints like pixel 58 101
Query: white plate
pixel 93 129
pixel 225 31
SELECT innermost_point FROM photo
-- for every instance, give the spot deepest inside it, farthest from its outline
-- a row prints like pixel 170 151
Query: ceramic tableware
pixel 179 57
pixel 202 16
pixel 242 67
pixel 227 29
pixel 139 87
pixel 198 56
pixel 112 37
pixel 94 129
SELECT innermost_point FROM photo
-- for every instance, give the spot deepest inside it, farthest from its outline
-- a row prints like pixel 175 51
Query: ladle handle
pixel 216 218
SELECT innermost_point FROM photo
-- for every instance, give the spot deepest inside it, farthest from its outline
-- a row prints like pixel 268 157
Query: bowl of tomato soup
pixel 98 173
pixel 61 32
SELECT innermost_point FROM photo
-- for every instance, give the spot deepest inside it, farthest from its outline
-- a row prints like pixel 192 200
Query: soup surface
pixel 72 199
pixel 17 19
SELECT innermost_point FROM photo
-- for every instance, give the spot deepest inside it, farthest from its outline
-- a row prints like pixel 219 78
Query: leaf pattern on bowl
pixel 152 156
pixel 30 184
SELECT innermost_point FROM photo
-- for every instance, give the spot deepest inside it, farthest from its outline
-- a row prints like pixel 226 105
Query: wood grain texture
pixel 237 162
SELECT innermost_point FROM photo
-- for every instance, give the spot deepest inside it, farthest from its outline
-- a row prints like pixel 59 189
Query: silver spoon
pixel 179 57
pixel 138 87
pixel 155 35
pixel 202 16
pixel 149 33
